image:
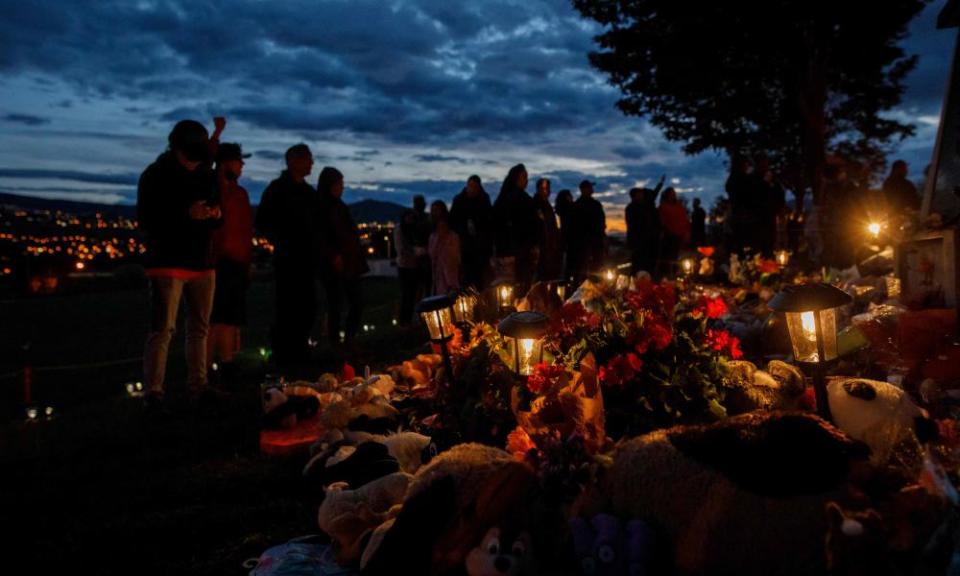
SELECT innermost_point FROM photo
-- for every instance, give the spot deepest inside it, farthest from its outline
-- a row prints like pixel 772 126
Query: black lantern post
pixel 437 314
pixel 524 332
pixel 811 314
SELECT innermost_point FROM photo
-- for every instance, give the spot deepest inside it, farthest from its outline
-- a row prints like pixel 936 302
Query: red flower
pixel 715 307
pixel 706 250
pixel 721 341
pixel 544 377
pixel 347 372
pixel 620 369
pixel 768 266
pixel 573 316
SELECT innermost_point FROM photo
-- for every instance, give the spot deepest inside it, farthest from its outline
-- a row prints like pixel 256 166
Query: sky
pixel 403 96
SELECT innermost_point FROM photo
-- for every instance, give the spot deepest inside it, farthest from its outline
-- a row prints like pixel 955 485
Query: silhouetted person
pixel 407 265
pixel 676 228
pixel 698 231
pixel 743 209
pixel 178 207
pixel 444 251
pixel 899 193
pixel 287 216
pixel 515 220
pixel 422 228
pixel 589 242
pixel 563 206
pixel 770 203
pixel 233 246
pixel 840 238
pixel 471 217
pixel 550 258
pixel 342 261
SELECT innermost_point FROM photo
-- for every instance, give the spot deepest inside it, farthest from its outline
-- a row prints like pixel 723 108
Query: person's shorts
pixel 230 295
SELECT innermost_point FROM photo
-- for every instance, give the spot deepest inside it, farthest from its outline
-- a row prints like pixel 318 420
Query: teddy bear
pixel 347 516
pixel 450 507
pixel 501 552
pixel 604 547
pixel 882 416
pixel 360 397
pixel 746 388
pixel 745 495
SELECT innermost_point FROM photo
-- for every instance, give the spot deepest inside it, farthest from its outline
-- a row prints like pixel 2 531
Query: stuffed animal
pixel 282 410
pixel 450 507
pixel 500 553
pixel 354 466
pixel 883 416
pixel 603 547
pixel 743 496
pixel 779 388
pixel 349 515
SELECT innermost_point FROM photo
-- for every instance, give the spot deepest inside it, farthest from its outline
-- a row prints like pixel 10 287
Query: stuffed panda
pixel 282 411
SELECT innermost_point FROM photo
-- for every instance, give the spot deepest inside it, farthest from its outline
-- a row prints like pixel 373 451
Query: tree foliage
pixel 792 79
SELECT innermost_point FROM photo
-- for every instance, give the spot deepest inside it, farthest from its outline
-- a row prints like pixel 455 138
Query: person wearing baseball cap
pixel 178 207
pixel 233 249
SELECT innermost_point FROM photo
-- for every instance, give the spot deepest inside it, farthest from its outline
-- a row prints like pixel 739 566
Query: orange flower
pixel 519 443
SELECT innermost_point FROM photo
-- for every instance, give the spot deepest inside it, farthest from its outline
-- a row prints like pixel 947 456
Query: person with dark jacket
pixel 676 229
pixel 178 208
pixel 899 193
pixel 551 257
pixel 563 207
pixel 590 243
pixel 342 261
pixel 287 216
pixel 643 228
pixel 422 228
pixel 515 221
pixel 471 217
pixel 233 248
pixel 744 215
pixel 698 233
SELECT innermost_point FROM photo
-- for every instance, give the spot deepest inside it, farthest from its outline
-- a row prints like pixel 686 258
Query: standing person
pixel 407 265
pixel 287 217
pixel 676 227
pixel 563 206
pixel 421 240
pixel 899 193
pixel 233 247
pixel 743 218
pixel 698 234
pixel 590 242
pixel 471 217
pixel 550 262
pixel 444 251
pixel 515 220
pixel 342 261
pixel 178 207
pixel 643 228
pixel 770 202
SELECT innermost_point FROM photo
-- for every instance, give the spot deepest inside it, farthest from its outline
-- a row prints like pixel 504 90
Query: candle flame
pixel 874 228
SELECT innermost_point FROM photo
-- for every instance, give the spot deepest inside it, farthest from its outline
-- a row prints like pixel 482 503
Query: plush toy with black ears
pixel 285 411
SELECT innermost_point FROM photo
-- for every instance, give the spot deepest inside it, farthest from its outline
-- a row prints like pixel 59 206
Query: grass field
pixel 104 488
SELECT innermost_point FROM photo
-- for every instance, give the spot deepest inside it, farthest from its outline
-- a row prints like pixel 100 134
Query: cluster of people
pixel 517 237
pixel 199 227
pixel 657 234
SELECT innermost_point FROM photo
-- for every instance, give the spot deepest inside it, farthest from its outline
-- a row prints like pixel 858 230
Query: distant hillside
pixel 79 208
pixel 376 211
pixel 362 211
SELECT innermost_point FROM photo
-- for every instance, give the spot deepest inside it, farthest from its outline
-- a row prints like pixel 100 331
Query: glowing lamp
pixel 524 332
pixel 33 413
pixel 610 276
pixel 687 266
pixel 48 411
pixel 463 308
pixel 560 288
pixel 783 258
pixel 874 229
pixel 504 297
pixel 437 314
pixel 811 316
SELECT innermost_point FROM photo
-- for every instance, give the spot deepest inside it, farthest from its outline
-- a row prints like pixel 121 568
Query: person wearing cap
pixel 342 260
pixel 590 242
pixel 233 248
pixel 178 208
pixel 287 217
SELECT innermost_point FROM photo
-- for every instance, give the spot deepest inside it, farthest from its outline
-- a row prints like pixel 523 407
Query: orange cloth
pixel 178 273
pixel 234 239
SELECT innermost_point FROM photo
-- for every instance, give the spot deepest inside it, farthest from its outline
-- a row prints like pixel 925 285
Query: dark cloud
pixel 70 175
pixel 439 158
pixel 269 154
pixel 27 119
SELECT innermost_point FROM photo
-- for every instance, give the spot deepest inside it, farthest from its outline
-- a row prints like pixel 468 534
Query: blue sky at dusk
pixel 403 96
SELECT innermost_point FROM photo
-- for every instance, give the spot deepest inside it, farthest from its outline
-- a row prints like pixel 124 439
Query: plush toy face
pixel 496 556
